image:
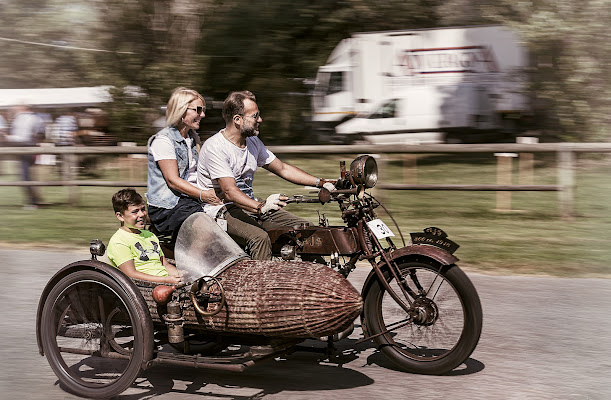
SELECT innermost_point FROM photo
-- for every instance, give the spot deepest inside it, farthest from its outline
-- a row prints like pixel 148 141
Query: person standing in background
pixel 65 134
pixel 26 128
pixel 65 130
pixel 3 133
pixel 3 129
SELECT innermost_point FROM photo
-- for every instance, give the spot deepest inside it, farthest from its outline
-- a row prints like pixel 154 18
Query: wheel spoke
pixel 437 321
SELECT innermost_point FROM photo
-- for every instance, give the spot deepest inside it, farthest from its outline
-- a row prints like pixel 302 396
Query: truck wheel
pixel 92 334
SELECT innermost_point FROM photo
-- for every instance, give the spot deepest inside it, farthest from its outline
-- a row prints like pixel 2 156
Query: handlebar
pixel 325 196
pixel 301 199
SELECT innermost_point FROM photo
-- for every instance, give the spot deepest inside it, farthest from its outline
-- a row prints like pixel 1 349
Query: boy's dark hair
pixel 125 198
pixel 234 104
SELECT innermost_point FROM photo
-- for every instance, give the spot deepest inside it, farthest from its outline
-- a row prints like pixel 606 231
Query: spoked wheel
pixel 92 334
pixel 443 325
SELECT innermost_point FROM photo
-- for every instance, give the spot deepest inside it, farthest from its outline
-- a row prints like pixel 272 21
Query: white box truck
pixel 420 84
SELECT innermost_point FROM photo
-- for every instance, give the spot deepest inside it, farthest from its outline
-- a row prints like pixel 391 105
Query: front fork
pixel 406 290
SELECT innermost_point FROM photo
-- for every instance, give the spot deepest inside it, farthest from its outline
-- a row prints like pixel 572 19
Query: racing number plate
pixel 379 229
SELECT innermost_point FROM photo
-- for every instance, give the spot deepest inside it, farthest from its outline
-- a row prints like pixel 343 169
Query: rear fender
pixel 413 252
pixel 119 277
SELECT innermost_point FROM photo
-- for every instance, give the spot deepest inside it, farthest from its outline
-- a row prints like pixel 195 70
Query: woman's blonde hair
pixel 177 105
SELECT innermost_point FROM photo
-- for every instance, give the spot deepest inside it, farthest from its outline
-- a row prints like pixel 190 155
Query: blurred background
pixel 300 58
pixel 142 49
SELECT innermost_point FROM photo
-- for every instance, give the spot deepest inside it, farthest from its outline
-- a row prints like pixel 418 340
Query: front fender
pixel 409 252
pixel 113 273
pixel 437 254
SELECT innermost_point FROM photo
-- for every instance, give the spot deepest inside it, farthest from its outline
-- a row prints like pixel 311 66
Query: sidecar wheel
pixel 92 334
pixel 446 321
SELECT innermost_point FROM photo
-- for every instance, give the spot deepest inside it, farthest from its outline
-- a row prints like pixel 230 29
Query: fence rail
pixel 347 149
pixel 565 163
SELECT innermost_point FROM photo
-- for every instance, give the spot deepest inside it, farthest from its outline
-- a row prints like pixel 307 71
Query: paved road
pixel 543 338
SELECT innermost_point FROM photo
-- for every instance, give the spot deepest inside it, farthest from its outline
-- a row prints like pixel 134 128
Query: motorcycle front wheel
pixel 444 324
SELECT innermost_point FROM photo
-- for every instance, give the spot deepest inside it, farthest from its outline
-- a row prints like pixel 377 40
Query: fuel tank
pixel 317 239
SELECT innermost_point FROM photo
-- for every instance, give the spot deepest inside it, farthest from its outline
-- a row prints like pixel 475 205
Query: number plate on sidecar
pixel 379 229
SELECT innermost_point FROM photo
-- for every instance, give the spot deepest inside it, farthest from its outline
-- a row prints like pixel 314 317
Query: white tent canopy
pixel 56 97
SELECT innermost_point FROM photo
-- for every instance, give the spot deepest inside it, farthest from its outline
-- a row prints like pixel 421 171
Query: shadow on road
pixel 471 366
pixel 299 372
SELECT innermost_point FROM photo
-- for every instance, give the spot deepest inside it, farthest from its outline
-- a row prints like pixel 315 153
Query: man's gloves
pixel 329 186
pixel 273 202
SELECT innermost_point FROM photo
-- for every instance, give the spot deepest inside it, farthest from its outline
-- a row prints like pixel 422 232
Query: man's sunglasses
pixel 255 116
pixel 198 109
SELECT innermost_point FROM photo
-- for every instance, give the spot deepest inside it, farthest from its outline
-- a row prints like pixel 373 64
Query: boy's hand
pixel 171 279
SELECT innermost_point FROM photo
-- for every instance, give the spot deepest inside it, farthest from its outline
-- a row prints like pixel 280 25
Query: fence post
pixel 566 179
pixel 410 168
pixel 526 162
pixel 503 177
pixel 69 165
pixel 127 163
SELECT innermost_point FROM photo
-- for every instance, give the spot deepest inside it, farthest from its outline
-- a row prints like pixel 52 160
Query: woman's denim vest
pixel 159 193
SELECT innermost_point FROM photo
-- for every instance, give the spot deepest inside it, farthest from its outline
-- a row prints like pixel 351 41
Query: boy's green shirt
pixel 141 247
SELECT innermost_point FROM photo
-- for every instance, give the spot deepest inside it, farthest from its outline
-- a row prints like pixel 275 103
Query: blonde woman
pixel 172 194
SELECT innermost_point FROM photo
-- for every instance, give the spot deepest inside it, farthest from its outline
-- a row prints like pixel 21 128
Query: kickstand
pixel 330 349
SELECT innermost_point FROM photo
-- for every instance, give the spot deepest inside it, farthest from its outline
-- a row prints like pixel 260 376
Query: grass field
pixel 531 239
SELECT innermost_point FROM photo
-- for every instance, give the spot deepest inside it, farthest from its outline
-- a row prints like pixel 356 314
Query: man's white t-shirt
pixel 24 127
pixel 162 148
pixel 220 158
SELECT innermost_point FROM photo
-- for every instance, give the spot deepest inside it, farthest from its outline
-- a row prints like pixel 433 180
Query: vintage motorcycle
pixel 99 329
pixel 420 308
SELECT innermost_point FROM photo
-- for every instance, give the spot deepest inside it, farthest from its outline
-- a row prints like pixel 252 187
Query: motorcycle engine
pixel 288 252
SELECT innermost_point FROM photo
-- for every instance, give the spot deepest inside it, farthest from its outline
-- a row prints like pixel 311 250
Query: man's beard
pixel 251 130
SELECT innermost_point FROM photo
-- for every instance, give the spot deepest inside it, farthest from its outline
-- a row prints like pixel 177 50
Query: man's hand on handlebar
pixel 274 202
pixel 329 186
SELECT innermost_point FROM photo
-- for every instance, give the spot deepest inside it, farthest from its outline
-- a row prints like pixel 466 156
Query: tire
pixel 448 325
pixel 92 334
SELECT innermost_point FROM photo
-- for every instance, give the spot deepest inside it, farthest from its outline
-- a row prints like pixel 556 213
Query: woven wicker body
pixel 274 299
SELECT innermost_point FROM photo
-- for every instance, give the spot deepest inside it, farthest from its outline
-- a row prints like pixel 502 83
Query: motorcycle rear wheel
pixel 446 322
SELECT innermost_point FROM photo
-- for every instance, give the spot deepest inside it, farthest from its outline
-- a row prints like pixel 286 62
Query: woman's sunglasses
pixel 198 109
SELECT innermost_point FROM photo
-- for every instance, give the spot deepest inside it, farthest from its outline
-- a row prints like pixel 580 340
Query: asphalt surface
pixel 543 338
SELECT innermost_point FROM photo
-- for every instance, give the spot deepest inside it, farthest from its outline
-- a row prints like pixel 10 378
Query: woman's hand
pixel 210 197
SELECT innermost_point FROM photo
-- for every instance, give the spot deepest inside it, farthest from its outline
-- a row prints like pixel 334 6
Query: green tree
pixel 271 47
pixel 46 43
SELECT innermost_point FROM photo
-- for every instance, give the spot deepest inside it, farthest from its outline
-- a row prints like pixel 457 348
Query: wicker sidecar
pixel 99 329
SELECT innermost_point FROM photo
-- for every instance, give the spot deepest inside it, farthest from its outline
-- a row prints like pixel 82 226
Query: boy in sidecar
pixel 134 250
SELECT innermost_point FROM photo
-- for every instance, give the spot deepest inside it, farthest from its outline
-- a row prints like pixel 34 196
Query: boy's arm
pixel 172 271
pixel 129 269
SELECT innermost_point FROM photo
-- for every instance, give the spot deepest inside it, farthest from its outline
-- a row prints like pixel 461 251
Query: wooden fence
pixel 565 155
